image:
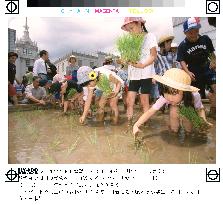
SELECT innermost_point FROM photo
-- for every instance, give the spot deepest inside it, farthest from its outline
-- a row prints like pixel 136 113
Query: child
pixel 123 74
pixel 196 56
pixel 140 74
pixel 64 89
pixel 87 77
pixel 175 88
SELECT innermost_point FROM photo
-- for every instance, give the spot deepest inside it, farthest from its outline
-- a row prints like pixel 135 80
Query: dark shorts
pixel 143 85
pixel 204 81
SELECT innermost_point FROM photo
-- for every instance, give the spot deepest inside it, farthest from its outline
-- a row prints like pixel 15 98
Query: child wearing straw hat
pixel 175 89
pixel 162 63
pixel 140 73
pixel 102 79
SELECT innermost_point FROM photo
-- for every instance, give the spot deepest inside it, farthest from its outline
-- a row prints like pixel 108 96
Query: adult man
pixel 40 67
pixel 197 58
pixel 11 77
pixel 34 93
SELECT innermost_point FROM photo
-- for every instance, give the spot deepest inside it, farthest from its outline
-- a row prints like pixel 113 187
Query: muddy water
pixel 44 136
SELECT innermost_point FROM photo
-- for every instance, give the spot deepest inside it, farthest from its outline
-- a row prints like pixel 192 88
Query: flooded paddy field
pixel 47 137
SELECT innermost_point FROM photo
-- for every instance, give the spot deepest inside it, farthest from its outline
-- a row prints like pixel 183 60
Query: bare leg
pixel 174 118
pixel 15 100
pixel 130 104
pixel 187 125
pixel 144 99
pixel 124 98
pixel 101 109
pixel 66 103
pixel 114 108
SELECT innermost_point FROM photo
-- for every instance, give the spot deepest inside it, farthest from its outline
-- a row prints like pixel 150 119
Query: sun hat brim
pixel 125 23
pixel 193 27
pixel 173 84
pixel 165 39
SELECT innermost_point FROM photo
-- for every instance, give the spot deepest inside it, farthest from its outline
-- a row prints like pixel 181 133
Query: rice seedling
pixel 144 155
pixel 104 85
pixel 55 143
pixel 211 59
pixel 129 47
pixel 191 114
pixel 192 158
pixel 92 139
pixel 72 147
pixel 109 145
pixel 71 93
pixel 94 108
pixel 49 158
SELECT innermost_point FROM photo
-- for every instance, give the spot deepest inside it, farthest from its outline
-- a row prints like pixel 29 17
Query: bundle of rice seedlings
pixel 212 58
pixel 104 85
pixel 191 114
pixel 129 46
pixel 71 93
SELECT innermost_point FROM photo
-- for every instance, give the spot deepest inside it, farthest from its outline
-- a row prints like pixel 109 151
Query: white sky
pixel 60 36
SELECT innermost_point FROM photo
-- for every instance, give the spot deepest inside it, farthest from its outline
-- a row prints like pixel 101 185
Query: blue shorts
pixel 98 93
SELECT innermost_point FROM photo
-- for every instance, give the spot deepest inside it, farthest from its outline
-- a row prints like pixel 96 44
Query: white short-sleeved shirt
pixel 39 67
pixel 107 72
pixel 147 72
pixel 110 67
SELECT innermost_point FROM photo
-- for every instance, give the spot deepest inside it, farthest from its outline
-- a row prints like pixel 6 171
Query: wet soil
pixel 45 136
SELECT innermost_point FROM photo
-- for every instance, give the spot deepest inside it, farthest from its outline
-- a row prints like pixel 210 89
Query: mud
pixel 45 136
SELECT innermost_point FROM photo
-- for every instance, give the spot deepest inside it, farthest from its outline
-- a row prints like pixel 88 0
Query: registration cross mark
pixel 12 6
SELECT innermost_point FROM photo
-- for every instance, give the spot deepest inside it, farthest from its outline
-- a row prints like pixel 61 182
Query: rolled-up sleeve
pixel 197 100
pixel 159 103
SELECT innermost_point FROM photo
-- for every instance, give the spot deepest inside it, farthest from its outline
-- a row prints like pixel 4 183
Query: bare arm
pixel 148 114
pixel 201 113
pixel 149 60
pixel 213 61
pixel 87 105
pixel 32 98
pixel 185 68
pixel 17 80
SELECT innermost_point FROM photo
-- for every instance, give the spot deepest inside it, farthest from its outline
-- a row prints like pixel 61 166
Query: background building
pixel 82 60
pixel 206 29
pixel 11 39
pixel 26 49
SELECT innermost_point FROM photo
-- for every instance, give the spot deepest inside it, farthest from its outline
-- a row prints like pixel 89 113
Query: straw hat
pixel 108 59
pixel 174 45
pixel 72 56
pixel 128 20
pixel 165 38
pixel 176 78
